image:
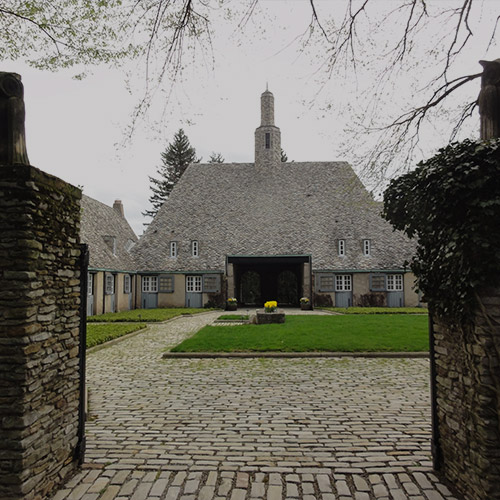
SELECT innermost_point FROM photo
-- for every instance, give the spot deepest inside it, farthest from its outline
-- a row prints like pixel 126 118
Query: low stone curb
pixel 287 355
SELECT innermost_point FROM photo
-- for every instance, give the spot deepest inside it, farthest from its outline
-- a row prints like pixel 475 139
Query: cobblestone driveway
pixel 253 428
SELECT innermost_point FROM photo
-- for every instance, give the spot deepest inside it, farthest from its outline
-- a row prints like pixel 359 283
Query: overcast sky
pixel 75 128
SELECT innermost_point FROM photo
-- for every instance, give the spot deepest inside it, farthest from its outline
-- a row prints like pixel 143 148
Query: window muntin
pixel 394 282
pixel 173 249
pixel 193 284
pixel 90 284
pixel 341 248
pixel 110 284
pixel 150 284
pixel 366 247
pixel 195 248
pixel 343 283
pixel 127 283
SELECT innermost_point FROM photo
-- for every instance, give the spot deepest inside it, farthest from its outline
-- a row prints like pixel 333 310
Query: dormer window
pixel 366 247
pixel 268 140
pixel 173 249
pixel 194 248
pixel 341 248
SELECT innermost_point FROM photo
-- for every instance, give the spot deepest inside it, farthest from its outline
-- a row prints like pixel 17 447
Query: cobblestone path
pixel 272 429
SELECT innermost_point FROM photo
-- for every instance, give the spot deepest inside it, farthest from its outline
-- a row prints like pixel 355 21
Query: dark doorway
pixel 250 288
pixel 288 288
pixel 259 279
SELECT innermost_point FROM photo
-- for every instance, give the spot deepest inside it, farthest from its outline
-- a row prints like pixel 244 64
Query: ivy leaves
pixel 451 204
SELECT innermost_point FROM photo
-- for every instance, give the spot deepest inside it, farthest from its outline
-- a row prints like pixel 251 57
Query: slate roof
pixel 289 209
pixel 99 225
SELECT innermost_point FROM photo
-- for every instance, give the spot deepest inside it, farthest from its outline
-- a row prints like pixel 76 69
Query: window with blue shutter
pixel 166 283
pixel 211 283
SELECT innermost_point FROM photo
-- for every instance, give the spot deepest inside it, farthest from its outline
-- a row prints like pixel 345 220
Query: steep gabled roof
pixel 289 209
pixel 105 230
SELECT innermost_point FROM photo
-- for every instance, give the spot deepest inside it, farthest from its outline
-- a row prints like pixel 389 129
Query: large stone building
pixel 112 279
pixel 270 230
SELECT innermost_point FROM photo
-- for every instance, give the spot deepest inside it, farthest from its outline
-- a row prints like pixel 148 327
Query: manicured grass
pixel 98 334
pixel 350 333
pixel 147 315
pixel 234 317
pixel 377 310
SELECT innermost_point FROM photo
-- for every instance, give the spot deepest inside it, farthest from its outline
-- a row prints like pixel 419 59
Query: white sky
pixel 73 127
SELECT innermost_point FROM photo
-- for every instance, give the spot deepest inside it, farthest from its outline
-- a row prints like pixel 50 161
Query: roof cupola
pixel 267 136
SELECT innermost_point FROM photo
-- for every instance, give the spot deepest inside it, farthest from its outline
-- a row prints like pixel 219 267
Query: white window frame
pixel 366 248
pixel 127 283
pixel 90 284
pixel 394 282
pixel 173 249
pixel 194 284
pixel 341 248
pixel 195 248
pixel 110 284
pixel 343 283
pixel 150 284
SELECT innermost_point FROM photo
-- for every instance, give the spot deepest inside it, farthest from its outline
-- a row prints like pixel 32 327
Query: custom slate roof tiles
pixel 109 236
pixel 289 209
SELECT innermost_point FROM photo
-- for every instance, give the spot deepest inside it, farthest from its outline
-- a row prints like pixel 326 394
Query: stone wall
pixel 39 332
pixel 467 394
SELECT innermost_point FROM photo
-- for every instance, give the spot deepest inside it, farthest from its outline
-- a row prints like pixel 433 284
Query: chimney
pixel 118 207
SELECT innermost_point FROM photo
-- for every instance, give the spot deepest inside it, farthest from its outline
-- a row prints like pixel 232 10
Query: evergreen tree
pixel 216 158
pixel 175 159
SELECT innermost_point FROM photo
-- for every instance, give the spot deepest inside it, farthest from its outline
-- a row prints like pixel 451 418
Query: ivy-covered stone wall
pixel 39 331
pixel 467 389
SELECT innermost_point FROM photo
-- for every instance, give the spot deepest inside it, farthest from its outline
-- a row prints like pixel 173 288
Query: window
pixel 150 284
pixel 126 283
pixel 173 249
pixel 268 140
pixel 166 283
pixel 90 284
pixel 325 283
pixel 110 284
pixel 394 282
pixel 193 284
pixel 366 247
pixel 211 283
pixel 341 248
pixel 195 248
pixel 377 282
pixel 343 283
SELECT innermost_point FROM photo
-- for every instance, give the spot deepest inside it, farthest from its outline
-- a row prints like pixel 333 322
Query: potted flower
pixel 305 304
pixel 231 304
pixel 270 306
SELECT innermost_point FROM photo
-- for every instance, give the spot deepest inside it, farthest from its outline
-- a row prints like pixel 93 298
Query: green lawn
pixel 377 310
pixel 234 317
pixel 350 333
pixel 98 334
pixel 146 315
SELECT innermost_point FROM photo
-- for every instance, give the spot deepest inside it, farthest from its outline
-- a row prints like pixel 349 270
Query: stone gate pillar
pixel 39 315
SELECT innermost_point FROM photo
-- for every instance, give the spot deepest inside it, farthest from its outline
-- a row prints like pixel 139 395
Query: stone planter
pixel 231 306
pixel 305 307
pixel 265 318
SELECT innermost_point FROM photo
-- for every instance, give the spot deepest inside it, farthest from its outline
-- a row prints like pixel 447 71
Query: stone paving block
pixel 257 490
pixel 274 492
pixel 110 493
pixel 238 494
pixel 173 493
